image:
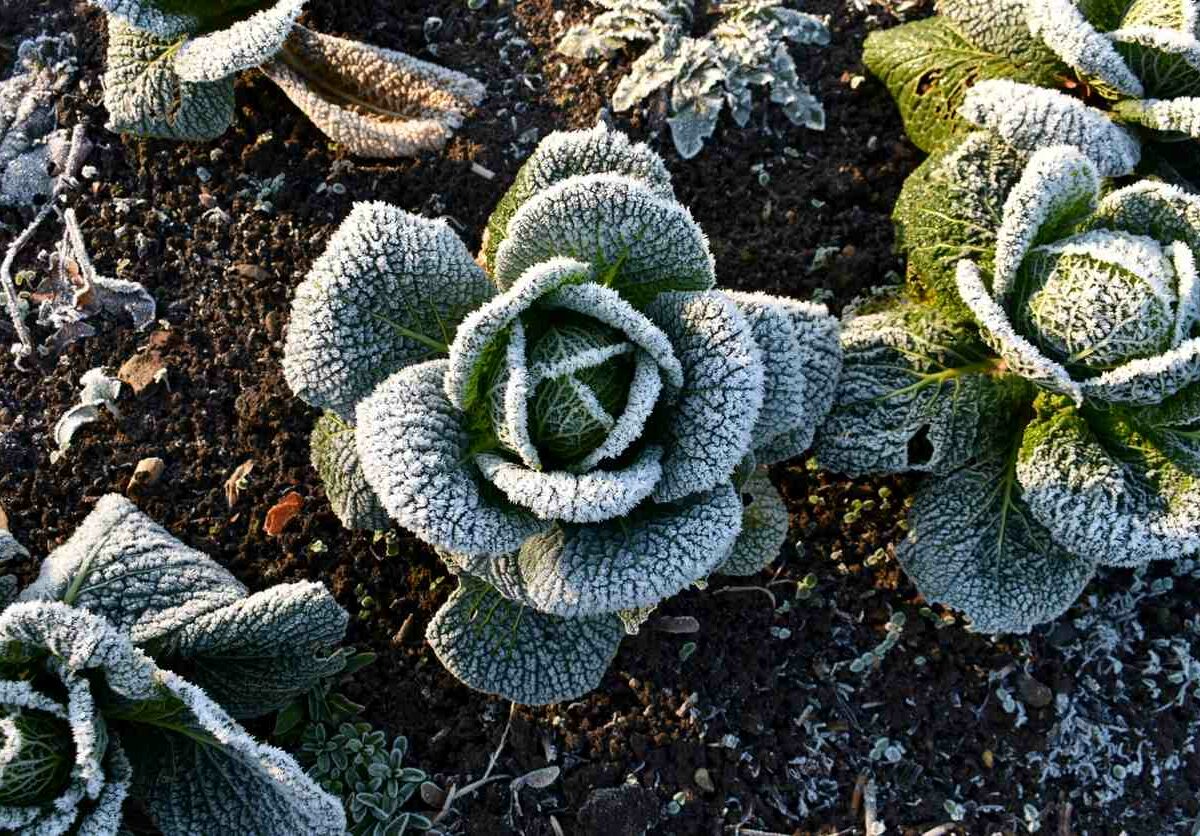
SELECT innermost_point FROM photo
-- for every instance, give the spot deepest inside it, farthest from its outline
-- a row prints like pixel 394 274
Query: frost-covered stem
pixel 66 179
pixel 871 823
pixel 87 270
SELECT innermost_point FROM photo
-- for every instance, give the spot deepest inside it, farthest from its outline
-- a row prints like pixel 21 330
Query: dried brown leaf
pixel 147 472
pixel 282 513
pixel 236 482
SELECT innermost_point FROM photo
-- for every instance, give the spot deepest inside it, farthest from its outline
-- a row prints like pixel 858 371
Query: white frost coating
pixel 714 414
pixel 1187 311
pixel 1057 181
pixel 415 453
pixel 1023 357
pixel 514 430
pixel 591 497
pixel 132 572
pixel 98 391
pixel 802 360
pixel 1181 45
pixel 1148 380
pixel 640 401
pixel 1180 115
pixel 1137 254
pixel 606 305
pixel 1110 511
pixel 587 359
pixel 388 104
pixel 582 571
pixel 610 221
pixel 1160 210
pixel 499 647
pixel 764 528
pixel 387 292
pixel 1031 118
pixel 335 458
pixel 242 46
pixel 145 15
pixel 481 329
pixel 1064 29
pixel 974 546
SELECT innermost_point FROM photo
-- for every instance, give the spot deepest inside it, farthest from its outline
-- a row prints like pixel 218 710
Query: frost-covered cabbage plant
pixel 1119 79
pixel 172 64
pixel 747 48
pixel 580 430
pixel 1044 370
pixel 122 670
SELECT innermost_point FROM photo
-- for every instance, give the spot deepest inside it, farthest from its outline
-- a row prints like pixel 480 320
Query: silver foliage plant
pixel 1119 79
pixel 172 64
pixel 579 429
pixel 747 48
pixel 1044 370
pixel 124 669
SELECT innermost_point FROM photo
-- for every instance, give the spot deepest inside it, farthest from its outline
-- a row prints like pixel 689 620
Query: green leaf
pixel 929 65
pixel 335 457
pixel 289 718
pixel 499 647
pixel 918 392
pixel 1174 427
pixel 974 545
pixel 1167 62
pixel 951 208
pixel 146 98
pixel 764 528
pixel 1104 490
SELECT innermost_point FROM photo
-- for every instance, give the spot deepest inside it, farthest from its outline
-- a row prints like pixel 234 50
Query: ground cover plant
pixel 93 709
pixel 1043 370
pixel 700 75
pixel 580 429
pixel 1120 80
pixel 172 64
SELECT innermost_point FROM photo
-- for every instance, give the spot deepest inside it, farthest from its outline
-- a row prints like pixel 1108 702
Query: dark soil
pixel 765 703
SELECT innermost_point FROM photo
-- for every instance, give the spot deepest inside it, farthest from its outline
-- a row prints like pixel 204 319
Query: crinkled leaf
pixel 335 457
pixel 645 244
pixel 712 418
pixel 1157 210
pixel 951 208
pixel 974 545
pixel 1063 28
pixel 1167 61
pixel 124 567
pixel 145 97
pixel 244 44
pixel 1171 427
pixel 154 18
pixel 651 554
pixel 929 65
pixel 764 528
pixel 1105 492
pixel 389 291
pixel 1148 380
pixel 564 154
pixel 499 647
pixel 802 359
pixel 257 654
pixel 915 394
pixel 1181 115
pixel 1031 118
pixel 415 453
pixel 374 102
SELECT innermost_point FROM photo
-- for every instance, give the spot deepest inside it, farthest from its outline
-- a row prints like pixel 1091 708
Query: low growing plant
pixel 1119 79
pixel 747 48
pixel 172 64
pixel 579 430
pixel 1044 370
pixel 124 669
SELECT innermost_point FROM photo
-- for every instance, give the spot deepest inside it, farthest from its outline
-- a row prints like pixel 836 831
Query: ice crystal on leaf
pixel 701 75
pixel 1051 389
pixel 1120 81
pixel 171 67
pixel 91 711
pixel 578 438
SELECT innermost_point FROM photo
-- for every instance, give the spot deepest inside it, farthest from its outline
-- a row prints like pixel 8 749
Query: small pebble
pixel 203 174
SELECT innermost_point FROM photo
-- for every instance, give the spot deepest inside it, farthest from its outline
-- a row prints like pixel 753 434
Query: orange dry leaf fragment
pixel 282 514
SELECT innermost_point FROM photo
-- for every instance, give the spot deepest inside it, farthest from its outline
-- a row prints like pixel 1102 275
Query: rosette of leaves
pixel 579 429
pixel 357 764
pixel 747 48
pixel 172 64
pixel 124 669
pixel 1044 371
pixel 1120 79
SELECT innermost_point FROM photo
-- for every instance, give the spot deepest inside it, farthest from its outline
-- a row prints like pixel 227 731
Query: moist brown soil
pixel 765 702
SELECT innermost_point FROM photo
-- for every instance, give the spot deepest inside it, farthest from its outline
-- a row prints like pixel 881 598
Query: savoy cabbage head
pixel 1119 79
pixel 1044 371
pixel 578 429
pixel 124 669
pixel 172 64
pixel 746 49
